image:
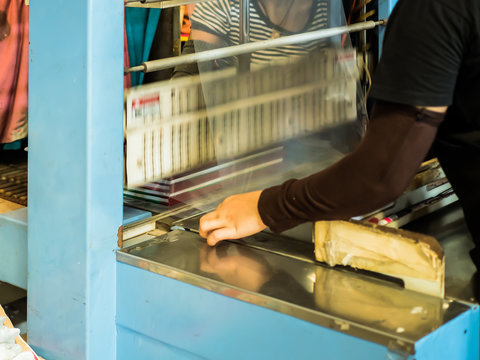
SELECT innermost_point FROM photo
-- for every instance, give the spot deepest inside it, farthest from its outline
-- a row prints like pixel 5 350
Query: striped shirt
pixel 222 18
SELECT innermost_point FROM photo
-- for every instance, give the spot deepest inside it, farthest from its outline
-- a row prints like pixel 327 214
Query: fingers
pixel 209 222
pixel 212 227
pixel 213 237
pixel 236 217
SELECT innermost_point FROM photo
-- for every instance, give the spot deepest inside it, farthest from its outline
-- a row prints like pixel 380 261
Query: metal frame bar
pixel 244 60
pixel 250 47
pixel 177 32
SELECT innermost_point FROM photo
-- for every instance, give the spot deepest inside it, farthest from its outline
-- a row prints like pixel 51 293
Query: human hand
pixel 236 217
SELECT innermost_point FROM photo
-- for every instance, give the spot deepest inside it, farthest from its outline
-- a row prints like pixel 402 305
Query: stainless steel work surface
pixel 446 225
pixel 359 305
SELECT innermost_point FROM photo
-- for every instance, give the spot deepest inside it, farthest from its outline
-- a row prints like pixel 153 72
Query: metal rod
pixel 146 1
pixel 244 21
pixel 155 65
pixel 160 4
pixel 363 49
pixel 244 60
pixel 177 32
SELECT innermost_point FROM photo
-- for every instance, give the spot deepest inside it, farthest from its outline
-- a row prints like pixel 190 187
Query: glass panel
pixel 290 111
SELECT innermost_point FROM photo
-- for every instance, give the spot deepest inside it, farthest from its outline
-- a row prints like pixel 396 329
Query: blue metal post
pixel 75 176
pixel 385 8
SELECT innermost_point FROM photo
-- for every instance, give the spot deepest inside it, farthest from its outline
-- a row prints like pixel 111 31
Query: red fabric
pixel 13 71
pixel 127 79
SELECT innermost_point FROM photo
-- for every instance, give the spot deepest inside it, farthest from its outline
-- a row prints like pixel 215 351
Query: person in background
pixel 216 24
pixel 426 89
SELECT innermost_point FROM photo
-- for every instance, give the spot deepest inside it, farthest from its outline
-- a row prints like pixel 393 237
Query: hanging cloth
pixel 141 25
pixel 13 70
pixel 127 79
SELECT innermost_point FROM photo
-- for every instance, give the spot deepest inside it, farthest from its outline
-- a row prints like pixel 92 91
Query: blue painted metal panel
pixel 135 345
pixel 458 339
pixel 13 247
pixel 75 175
pixel 160 314
pixel 385 8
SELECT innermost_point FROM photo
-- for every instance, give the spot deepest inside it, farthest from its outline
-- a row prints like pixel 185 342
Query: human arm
pixel 419 66
pixel 378 171
pixel 205 35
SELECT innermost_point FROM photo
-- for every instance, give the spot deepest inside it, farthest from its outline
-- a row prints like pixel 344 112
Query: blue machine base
pixel 159 317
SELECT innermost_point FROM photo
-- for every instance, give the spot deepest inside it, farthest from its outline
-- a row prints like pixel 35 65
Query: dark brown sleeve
pixel 376 173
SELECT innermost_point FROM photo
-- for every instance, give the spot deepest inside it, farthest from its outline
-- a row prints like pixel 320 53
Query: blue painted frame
pixel 75 175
